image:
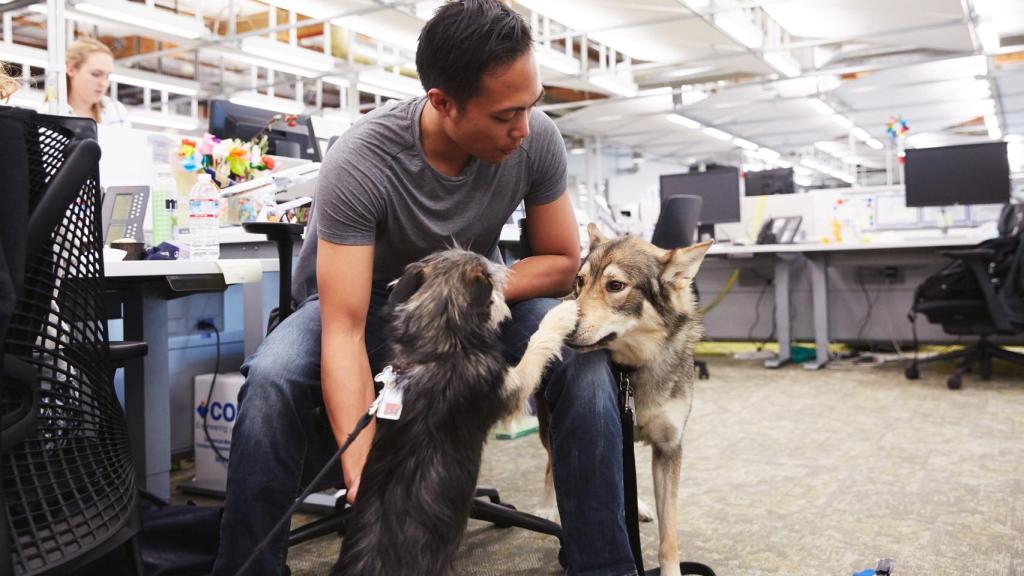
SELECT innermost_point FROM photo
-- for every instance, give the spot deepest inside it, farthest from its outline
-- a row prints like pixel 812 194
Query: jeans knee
pixel 582 379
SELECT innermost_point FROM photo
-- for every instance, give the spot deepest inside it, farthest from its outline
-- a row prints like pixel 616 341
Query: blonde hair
pixel 8 85
pixel 77 53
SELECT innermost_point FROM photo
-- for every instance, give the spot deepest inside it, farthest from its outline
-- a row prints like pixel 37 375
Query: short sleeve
pixel 547 161
pixel 349 201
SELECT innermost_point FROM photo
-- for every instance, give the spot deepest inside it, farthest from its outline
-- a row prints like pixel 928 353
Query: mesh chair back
pixel 69 486
pixel 677 222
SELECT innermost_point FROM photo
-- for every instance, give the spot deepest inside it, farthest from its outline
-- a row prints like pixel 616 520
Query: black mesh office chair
pixel 981 293
pixel 676 228
pixel 68 477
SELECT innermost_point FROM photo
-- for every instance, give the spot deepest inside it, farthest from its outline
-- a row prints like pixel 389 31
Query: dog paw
pixel 644 511
pixel 550 514
pixel 561 320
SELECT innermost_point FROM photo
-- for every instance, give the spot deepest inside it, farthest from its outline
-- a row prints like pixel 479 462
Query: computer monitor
pixel 229 120
pixel 965 174
pixel 719 189
pixel 766 182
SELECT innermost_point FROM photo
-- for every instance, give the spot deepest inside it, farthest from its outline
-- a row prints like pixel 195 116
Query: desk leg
pixel 819 291
pixel 147 392
pixel 782 328
pixel 255 321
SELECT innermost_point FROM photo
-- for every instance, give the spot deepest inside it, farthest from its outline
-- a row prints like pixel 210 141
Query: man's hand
pixel 344 276
pixel 555 245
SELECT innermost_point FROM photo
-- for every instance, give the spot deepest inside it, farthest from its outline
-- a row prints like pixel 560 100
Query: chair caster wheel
pixel 912 373
pixel 953 383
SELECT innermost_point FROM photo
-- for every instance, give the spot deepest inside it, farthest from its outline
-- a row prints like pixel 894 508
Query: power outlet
pixel 203 325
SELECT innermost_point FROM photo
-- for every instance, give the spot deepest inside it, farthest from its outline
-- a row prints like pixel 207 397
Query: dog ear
pixel 683 263
pixel 595 235
pixel 480 291
pixel 407 285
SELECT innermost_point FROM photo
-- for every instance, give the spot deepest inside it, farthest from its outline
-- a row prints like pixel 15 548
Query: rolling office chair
pixel 981 293
pixel 69 494
pixel 676 228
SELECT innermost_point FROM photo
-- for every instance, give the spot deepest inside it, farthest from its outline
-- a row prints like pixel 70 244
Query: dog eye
pixel 615 286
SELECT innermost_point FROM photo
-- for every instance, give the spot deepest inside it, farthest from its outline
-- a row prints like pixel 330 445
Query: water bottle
pixel 203 219
pixel 164 202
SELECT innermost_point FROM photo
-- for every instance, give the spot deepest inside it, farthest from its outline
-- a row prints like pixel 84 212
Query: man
pixel 407 180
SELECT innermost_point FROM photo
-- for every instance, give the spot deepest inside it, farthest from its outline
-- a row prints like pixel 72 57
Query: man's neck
pixel 441 152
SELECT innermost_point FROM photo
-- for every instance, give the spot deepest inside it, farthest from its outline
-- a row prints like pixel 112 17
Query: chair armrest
pixel 275 231
pixel 970 254
pixel 127 350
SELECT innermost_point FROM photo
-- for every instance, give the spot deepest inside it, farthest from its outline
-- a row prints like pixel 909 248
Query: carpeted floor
pixel 792 472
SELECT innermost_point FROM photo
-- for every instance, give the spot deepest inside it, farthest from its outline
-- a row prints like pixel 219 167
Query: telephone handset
pixel 779 230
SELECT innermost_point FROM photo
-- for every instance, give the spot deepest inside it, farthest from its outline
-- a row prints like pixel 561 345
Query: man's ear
pixel 595 235
pixel 407 285
pixel 440 101
pixel 683 263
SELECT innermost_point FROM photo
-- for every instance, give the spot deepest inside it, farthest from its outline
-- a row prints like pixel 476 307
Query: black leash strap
pixel 629 468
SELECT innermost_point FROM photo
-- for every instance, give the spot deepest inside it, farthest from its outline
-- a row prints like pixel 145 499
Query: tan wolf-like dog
pixel 636 301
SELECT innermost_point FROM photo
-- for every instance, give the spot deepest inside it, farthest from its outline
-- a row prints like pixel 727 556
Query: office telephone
pixel 124 210
pixel 779 230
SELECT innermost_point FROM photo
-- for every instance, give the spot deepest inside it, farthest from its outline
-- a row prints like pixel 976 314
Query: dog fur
pixel 418 482
pixel 636 301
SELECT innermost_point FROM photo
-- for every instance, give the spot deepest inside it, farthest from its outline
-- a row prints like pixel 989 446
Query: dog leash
pixel 386 377
pixel 627 408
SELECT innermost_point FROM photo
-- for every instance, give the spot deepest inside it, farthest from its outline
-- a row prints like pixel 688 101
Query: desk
pixel 145 288
pixel 818 258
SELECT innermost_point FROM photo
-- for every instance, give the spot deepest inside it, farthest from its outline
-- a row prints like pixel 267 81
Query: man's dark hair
pixel 465 40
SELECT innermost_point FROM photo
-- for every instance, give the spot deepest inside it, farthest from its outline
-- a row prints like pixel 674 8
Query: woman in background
pixel 89 64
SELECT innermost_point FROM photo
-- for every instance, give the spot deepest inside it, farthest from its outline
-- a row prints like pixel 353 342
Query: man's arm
pixel 344 276
pixel 555 243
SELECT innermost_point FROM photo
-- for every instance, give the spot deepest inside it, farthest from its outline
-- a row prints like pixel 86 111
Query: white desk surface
pixel 936 242
pixel 143 268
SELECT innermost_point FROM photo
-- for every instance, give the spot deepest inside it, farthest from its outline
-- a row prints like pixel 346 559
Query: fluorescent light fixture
pixel 173 121
pixel 874 143
pixel 159 82
pixel 683 121
pixel 784 63
pixel 745 144
pixel 842 121
pixel 716 133
pixel 861 134
pixel 556 60
pixel 821 107
pixel 244 58
pixel 740 28
pixel 151 18
pixel 802 170
pixel 21 54
pixel 389 84
pixel 988 34
pixel 337 81
pixel 992 124
pixel 288 54
pixel 616 83
pixel 804 181
pixel 769 155
pixel 264 102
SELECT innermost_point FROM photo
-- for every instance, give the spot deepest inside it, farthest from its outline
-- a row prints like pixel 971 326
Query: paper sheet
pixel 240 271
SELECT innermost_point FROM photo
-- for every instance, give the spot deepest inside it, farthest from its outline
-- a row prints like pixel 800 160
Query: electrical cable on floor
pixel 204 325
pixel 757 312
pixel 870 303
pixel 723 292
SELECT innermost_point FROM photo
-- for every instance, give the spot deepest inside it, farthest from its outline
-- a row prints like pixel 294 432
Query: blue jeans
pixel 280 442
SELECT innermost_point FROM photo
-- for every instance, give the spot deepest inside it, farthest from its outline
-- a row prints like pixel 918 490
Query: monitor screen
pixel 766 182
pixel 229 120
pixel 967 174
pixel 719 189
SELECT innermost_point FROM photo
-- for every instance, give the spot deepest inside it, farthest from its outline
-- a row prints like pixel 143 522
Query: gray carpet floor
pixel 793 472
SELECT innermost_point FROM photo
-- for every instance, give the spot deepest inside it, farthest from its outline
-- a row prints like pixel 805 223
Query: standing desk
pixel 819 258
pixel 144 288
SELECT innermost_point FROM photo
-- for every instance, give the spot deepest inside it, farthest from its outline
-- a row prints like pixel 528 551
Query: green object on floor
pixel 516 427
pixel 801 354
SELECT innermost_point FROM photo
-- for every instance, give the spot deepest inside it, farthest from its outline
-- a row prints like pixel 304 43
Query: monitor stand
pixel 705 232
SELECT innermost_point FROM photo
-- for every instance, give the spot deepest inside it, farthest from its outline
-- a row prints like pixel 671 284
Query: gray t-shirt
pixel 375 187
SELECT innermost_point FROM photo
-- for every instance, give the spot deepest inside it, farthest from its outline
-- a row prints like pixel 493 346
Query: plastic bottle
pixel 164 202
pixel 203 219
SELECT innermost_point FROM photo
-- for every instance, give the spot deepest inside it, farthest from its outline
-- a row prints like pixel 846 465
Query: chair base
pixel 978 355
pixel 487 506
